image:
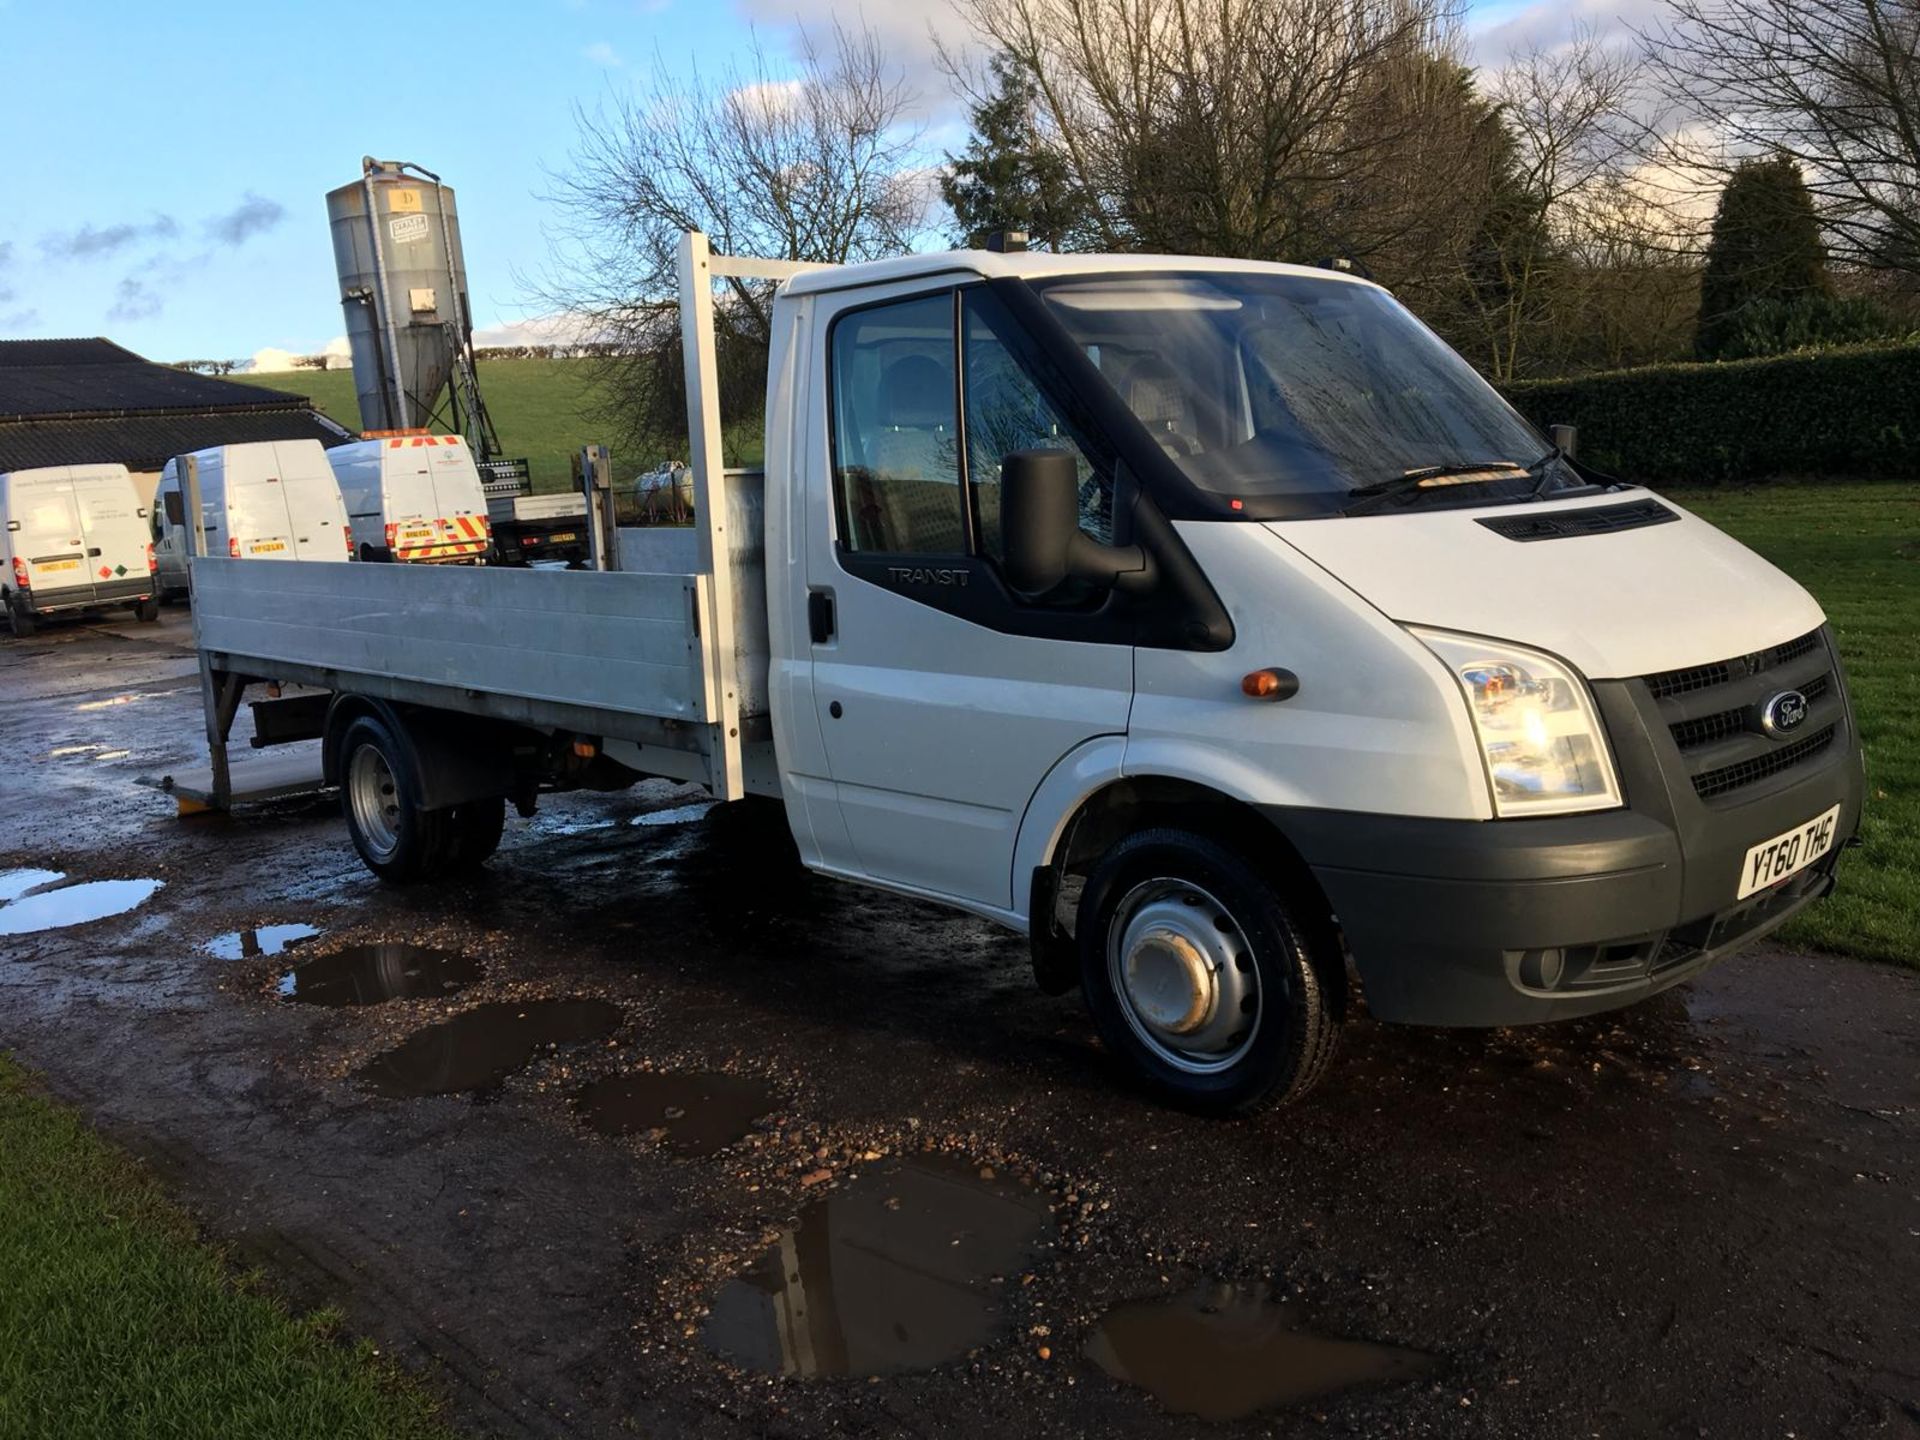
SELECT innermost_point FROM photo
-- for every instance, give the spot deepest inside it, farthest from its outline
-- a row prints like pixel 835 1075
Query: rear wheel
pixel 21 622
pixel 1202 975
pixel 397 839
pixel 147 611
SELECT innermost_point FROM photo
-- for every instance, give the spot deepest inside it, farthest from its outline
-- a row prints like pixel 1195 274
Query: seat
pixel 908 498
pixel 1156 395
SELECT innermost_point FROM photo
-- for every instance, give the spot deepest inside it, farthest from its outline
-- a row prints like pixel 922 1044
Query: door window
pixel 1006 412
pixel 896 461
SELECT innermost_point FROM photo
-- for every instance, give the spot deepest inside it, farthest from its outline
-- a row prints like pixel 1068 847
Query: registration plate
pixel 563 539
pixel 1788 853
pixel 267 547
pixel 57 565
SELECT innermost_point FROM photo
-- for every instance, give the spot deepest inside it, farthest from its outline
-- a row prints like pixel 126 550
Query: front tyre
pixel 397 839
pixel 1202 974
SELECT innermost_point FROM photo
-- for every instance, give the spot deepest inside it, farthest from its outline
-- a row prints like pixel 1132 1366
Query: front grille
pixel 1714 714
pixel 1669 683
pixel 1745 772
pixel 1725 724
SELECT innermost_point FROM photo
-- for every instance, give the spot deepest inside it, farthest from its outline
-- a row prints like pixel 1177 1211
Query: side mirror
pixel 1566 437
pixel 1040 534
pixel 176 508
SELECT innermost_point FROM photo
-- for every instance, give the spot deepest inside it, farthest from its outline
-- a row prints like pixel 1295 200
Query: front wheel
pixel 1203 976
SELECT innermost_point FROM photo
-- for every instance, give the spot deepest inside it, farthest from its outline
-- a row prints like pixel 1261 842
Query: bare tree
pixel 1832 84
pixel 1561 199
pixel 816 166
pixel 1237 127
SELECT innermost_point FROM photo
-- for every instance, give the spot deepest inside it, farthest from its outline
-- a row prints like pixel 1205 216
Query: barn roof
pixel 73 402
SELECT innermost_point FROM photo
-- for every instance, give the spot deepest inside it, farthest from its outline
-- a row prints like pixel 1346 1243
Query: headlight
pixel 1539 732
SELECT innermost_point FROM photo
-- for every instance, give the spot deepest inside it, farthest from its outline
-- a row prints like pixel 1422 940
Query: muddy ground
pixel 1698 1217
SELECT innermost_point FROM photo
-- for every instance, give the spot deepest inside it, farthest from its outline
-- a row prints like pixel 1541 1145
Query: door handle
pixel 820 616
pixel 93 550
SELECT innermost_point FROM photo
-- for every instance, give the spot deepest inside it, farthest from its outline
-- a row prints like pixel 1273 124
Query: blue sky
pixel 167 163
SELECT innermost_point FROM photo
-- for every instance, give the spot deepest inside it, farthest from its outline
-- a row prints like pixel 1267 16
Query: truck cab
pixel 1215 623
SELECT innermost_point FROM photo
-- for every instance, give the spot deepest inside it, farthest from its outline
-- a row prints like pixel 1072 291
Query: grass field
pixel 1857 548
pixel 540 408
pixel 116 1320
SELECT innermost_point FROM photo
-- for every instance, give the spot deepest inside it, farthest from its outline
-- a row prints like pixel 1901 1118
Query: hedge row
pixel 1827 415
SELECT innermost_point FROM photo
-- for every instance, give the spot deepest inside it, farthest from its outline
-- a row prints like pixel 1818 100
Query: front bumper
pixel 1505 922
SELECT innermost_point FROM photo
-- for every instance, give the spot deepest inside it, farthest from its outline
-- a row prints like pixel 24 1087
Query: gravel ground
pixel 1697 1217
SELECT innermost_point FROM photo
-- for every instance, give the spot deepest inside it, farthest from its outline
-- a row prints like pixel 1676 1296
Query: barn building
pixel 75 402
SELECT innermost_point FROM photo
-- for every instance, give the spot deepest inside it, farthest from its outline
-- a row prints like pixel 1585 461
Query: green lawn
pixel 115 1319
pixel 540 408
pixel 1857 548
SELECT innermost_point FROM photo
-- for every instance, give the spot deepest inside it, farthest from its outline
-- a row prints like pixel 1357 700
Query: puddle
pixel 64 750
pixel 15 883
pixel 696 1114
pixel 1224 1351
pixel 73 904
pixel 479 1048
pixel 679 815
pixel 254 944
pixel 903 1269
pixel 369 974
pixel 576 827
pixel 113 755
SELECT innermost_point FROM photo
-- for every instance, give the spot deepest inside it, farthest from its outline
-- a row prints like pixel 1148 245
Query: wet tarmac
pixel 374 973
pixel 1223 1352
pixel 478 1049
pixel 691 1114
pixel 906 1268
pixel 1697 1217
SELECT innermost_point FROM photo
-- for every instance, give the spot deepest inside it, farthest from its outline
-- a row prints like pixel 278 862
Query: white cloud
pixel 907 32
pixel 271 360
pixel 601 53
pixel 536 330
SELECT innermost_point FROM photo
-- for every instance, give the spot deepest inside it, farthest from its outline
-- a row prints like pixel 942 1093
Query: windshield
pixel 1273 387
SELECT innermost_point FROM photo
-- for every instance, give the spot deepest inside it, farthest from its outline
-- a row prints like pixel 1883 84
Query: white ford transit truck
pixel 1212 623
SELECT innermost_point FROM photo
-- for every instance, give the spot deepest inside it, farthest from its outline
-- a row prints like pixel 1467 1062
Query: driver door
pixel 942 698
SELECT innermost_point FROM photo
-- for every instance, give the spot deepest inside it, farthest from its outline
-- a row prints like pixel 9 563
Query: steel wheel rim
pixel 375 800
pixel 1184 973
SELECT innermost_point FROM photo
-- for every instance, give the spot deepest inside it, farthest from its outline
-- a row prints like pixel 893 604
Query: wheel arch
pixel 454 759
pixel 1128 804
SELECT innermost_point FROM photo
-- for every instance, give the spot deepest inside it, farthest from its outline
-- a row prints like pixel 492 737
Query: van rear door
pixel 316 513
pixel 465 528
pixel 50 541
pixel 407 499
pixel 119 555
pixel 258 525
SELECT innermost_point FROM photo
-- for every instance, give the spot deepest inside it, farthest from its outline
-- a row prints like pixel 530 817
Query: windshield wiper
pixel 1369 497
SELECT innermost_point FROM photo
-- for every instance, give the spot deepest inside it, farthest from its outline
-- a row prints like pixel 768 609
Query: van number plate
pixel 1788 853
pixel 268 547
pixel 57 565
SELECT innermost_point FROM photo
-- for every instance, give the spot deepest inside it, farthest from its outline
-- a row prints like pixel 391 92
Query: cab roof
pixel 1039 265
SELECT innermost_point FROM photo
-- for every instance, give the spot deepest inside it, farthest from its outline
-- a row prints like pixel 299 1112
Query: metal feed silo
pixel 403 286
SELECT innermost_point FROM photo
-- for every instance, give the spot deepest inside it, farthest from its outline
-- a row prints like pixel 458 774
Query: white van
pixel 76 540
pixel 416 498
pixel 265 500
